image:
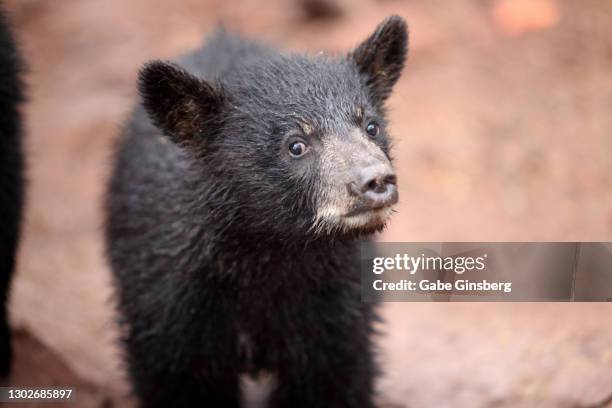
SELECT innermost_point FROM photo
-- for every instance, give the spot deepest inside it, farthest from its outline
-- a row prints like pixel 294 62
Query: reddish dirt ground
pixel 502 130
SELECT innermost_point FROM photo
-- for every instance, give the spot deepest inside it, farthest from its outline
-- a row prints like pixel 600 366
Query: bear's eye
pixel 297 149
pixel 372 129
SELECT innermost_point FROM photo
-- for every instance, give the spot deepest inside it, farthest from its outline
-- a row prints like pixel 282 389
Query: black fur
pixel 11 178
pixel 381 58
pixel 210 234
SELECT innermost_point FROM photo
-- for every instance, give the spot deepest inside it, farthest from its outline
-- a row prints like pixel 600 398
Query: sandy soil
pixel 502 129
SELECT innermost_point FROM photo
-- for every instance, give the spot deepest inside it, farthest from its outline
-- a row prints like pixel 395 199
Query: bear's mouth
pixel 368 218
pixel 362 219
pixel 367 209
pixel 373 204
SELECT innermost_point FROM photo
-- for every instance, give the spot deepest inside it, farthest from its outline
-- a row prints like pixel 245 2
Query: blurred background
pixel 503 132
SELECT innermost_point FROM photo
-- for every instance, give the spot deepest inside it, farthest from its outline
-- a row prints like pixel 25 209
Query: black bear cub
pixel 242 186
pixel 11 178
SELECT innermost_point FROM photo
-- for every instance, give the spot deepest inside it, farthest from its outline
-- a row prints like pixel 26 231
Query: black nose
pixel 375 187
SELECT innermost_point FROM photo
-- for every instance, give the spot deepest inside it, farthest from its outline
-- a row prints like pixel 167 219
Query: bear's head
pixel 290 145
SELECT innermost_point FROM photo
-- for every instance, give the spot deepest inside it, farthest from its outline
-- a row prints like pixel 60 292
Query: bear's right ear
pixel 177 102
pixel 380 58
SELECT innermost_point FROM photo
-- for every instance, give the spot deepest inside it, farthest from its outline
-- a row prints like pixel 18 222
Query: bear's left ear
pixel 381 57
pixel 180 104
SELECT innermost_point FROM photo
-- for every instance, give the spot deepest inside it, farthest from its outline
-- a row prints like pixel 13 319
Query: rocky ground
pixel 503 132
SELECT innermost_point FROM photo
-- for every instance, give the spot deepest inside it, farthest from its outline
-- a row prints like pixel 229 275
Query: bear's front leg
pixel 5 346
pixel 186 390
pixel 330 366
pixel 185 357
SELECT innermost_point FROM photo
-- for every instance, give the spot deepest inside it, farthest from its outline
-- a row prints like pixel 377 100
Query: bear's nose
pixel 376 186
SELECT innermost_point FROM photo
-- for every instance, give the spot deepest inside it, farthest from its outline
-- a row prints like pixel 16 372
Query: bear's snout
pixel 375 187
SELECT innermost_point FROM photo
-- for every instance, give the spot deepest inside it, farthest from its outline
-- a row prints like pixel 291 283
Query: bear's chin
pixel 366 223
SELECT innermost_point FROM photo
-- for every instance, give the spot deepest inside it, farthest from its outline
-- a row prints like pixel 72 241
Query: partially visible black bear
pixel 11 178
pixel 241 187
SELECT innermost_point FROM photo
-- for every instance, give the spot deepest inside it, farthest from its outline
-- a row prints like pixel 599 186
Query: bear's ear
pixel 381 57
pixel 177 102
